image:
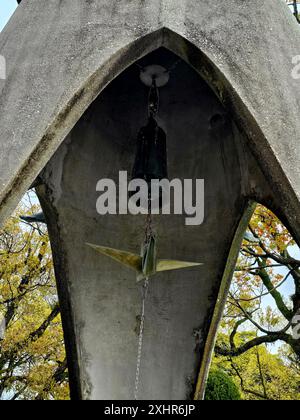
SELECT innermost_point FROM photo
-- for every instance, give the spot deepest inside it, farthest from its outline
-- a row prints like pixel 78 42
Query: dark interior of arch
pixel 100 300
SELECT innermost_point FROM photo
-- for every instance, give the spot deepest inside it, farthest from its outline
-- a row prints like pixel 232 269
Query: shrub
pixel 221 387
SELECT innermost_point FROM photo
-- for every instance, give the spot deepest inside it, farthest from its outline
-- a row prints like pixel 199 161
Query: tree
pixel 266 264
pixel 294 3
pixel 261 375
pixel 32 354
pixel 220 386
pixel 296 12
pixel 266 250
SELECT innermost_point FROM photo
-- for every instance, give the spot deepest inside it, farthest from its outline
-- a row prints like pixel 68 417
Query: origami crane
pixel 146 264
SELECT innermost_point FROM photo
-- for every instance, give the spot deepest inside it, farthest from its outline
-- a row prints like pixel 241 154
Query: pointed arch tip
pixel 88 89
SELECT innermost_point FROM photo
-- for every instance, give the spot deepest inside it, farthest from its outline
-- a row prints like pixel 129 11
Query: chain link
pixel 145 288
pixel 148 226
pixel 140 342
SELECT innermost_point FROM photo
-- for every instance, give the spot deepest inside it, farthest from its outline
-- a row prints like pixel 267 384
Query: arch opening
pixel 203 143
pixel 259 332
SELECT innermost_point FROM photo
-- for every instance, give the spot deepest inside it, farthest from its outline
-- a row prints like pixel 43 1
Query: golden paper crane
pixel 146 264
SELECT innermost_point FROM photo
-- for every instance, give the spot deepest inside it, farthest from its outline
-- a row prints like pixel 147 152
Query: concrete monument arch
pixel 238 59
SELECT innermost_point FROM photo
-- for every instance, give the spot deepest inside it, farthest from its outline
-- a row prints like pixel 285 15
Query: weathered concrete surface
pixel 60 56
pixel 59 64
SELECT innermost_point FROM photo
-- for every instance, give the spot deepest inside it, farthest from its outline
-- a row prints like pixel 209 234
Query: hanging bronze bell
pixel 151 154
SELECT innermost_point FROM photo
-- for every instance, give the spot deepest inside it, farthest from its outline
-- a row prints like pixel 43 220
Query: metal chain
pixel 141 336
pixel 148 227
pixel 153 99
pixel 145 288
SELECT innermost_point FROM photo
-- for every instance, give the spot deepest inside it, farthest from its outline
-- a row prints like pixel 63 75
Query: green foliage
pixel 261 375
pixel 32 354
pixel 258 313
pixel 220 386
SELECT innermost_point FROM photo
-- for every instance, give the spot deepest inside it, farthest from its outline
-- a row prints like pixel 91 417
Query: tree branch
pixel 266 339
pixel 286 312
pixel 58 377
